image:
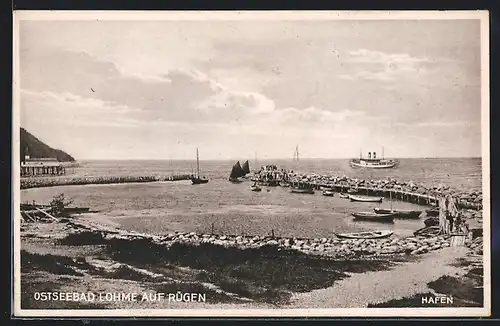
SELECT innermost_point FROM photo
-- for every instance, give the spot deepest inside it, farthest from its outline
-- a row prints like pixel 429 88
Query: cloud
pixel 382 66
pixel 73 110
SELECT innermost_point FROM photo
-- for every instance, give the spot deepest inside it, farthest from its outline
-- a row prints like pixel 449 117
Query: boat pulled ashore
pixel 366 235
pixel 371 216
pixel 365 199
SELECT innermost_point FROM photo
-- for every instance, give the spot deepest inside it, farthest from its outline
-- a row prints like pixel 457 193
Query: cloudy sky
pixel 159 89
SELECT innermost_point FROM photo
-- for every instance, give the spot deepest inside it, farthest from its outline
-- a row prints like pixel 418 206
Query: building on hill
pixel 46 166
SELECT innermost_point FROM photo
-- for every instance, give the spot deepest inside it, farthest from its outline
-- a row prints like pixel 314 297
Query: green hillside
pixel 37 149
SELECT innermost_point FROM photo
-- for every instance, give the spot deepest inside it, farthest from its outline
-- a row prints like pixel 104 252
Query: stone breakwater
pixel 77 233
pixel 40 182
pixel 403 190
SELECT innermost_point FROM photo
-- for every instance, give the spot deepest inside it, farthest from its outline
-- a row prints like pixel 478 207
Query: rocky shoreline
pixel 230 269
pixel 76 232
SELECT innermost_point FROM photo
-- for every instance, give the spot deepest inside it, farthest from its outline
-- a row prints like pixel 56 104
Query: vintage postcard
pixel 251 164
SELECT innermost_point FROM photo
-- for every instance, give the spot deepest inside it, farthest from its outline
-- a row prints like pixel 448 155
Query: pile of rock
pixel 65 181
pixel 333 247
pixel 476 245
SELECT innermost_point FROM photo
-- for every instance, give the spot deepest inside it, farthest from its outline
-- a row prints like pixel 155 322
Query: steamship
pixel 372 162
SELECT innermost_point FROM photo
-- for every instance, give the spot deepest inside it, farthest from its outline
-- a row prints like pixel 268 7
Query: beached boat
pixel 431 221
pixel 26 206
pixel 236 173
pixel 197 180
pixel 370 216
pixel 76 210
pixel 366 199
pixel 372 162
pixel 366 235
pixel 402 213
pixel 345 196
pixel 329 193
pixel 428 231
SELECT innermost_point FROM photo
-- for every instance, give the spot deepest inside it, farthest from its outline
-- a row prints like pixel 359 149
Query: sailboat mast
pixel 390 198
pixel 382 152
pixel 197 163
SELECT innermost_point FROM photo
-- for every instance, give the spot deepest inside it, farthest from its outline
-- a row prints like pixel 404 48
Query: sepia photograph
pixel 251 163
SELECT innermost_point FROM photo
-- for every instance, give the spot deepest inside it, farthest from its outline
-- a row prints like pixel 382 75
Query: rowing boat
pixel 302 190
pixel 328 193
pixel 402 213
pixel 341 195
pixel 432 212
pixel 366 235
pixel 365 199
pixel 369 216
pixel 428 231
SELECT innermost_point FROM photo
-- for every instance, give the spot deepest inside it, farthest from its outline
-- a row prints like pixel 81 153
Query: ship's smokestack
pixel 374 154
pixel 369 154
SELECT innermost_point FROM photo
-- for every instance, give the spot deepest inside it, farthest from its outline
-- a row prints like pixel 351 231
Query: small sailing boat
pixel 197 180
pixel 402 213
pixel 236 173
pixel 246 167
pixel 369 216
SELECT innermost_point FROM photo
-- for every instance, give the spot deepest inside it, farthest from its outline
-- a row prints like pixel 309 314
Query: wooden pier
pixel 33 167
pixel 424 199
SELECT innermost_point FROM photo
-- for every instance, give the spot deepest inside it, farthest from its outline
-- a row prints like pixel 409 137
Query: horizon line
pixel 271 158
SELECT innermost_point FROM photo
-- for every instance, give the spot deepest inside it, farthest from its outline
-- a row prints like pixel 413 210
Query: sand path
pixel 405 280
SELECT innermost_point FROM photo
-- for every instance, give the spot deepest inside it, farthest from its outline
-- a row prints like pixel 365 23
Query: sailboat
pixel 402 213
pixel 196 180
pixel 246 169
pixel 236 173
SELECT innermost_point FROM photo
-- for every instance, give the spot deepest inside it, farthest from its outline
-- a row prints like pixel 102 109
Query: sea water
pixel 228 208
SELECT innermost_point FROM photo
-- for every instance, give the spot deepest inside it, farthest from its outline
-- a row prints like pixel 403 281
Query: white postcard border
pixel 483 16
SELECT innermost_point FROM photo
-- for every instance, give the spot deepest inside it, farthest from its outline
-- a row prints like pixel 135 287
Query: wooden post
pixel 272 233
pixel 212 227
